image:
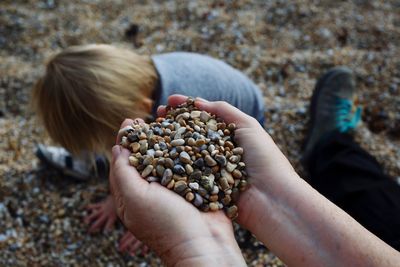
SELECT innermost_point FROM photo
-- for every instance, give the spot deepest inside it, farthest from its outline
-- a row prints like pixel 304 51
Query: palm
pixel 266 162
pixel 150 202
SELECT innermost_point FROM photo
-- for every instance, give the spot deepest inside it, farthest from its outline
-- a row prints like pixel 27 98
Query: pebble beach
pixel 283 46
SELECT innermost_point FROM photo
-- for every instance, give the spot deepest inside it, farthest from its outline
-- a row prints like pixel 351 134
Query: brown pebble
pixel 135 147
pixel 171 184
pixel 178 177
pixel 191 142
pixel 227 176
pixel 133 161
pixel 237 151
pixel 142 136
pixel 226 200
pixel 147 170
pixel 231 126
pixel 148 160
pixel 200 142
pixel 213 198
pixel 189 196
pixel 184 157
pixel 224 183
pixel 169 163
pixel 232 212
pixel 229 144
pixel 180 186
pixel 214 206
pixel 189 169
pixel 167 177
pixel 237 174
pixel 160 170
pixel 210 161
pixel 143 146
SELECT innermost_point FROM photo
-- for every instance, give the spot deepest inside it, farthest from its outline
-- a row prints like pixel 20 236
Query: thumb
pixel 227 112
pixel 126 184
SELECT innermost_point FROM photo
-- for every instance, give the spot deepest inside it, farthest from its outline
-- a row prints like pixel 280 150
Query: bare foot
pixel 130 244
pixel 102 215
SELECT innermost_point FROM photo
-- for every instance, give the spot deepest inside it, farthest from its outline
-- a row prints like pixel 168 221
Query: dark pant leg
pixel 352 179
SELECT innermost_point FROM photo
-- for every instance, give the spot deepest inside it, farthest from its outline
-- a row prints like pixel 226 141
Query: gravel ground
pixel 282 45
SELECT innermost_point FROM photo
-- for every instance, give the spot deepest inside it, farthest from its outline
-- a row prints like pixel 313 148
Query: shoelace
pixel 347 115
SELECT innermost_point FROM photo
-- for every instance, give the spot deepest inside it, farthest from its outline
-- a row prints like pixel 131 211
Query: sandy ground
pixel 282 45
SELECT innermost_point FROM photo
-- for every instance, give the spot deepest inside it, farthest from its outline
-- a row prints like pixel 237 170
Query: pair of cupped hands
pixel 174 228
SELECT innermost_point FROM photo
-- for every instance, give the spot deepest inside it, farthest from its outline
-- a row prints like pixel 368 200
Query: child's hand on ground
pixel 130 244
pixel 102 215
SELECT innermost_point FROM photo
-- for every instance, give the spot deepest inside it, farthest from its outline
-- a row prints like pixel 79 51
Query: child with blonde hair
pixel 88 90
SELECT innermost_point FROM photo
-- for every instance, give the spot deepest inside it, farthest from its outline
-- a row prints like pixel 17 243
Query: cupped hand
pixel 178 232
pixel 102 215
pixel 264 161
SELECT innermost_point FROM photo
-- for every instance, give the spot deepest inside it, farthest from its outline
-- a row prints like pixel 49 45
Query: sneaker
pixel 79 169
pixel 332 107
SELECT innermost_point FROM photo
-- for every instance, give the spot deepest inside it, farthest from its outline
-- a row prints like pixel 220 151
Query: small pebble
pixel 214 206
pixel 198 200
pixel 238 151
pixel 210 161
pixel 184 157
pixel 194 186
pixel 167 177
pixel 189 196
pixel 177 142
pixel 147 170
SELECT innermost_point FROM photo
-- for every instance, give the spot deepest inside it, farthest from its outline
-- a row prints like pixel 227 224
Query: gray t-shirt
pixel 203 76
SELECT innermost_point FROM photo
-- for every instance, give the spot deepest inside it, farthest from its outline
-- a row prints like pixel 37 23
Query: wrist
pixel 217 249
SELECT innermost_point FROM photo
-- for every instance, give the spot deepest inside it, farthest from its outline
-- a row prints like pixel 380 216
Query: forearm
pixel 304 228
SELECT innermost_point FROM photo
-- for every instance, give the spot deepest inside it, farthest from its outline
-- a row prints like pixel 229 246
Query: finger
pixel 126 122
pixel 94 206
pixel 92 216
pixel 109 224
pixel 125 179
pixel 175 100
pixel 138 121
pixel 161 111
pixel 124 246
pixel 126 235
pixel 145 250
pixel 97 225
pixel 227 112
pixel 134 246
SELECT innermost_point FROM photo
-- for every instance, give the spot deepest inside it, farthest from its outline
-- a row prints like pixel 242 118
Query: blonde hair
pixel 88 90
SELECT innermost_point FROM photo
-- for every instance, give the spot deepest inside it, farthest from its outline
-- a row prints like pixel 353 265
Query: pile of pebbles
pixel 191 152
